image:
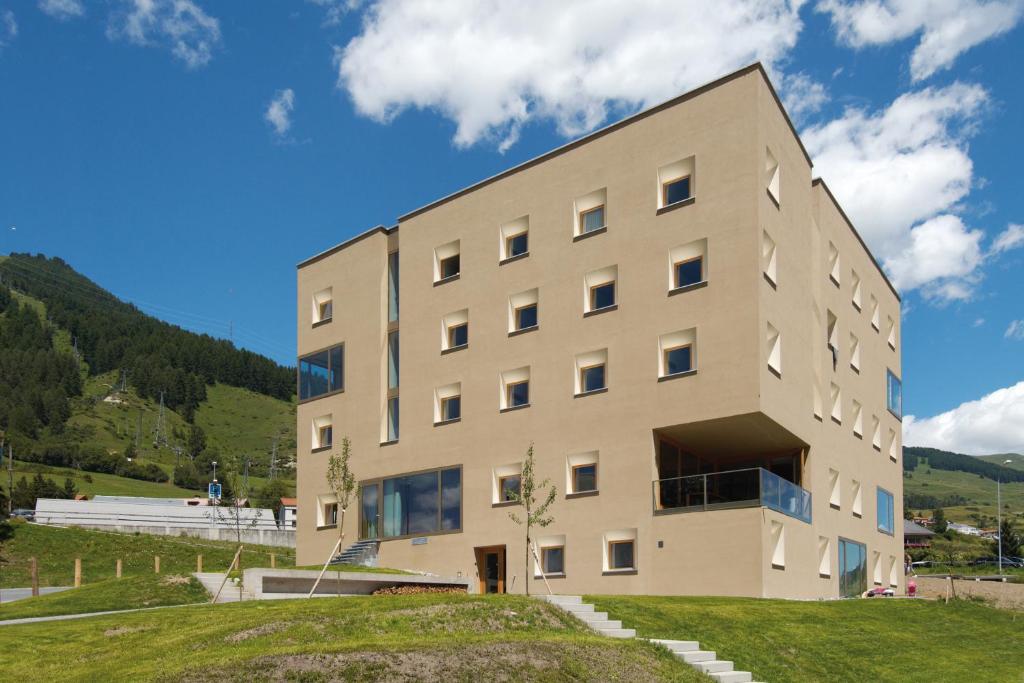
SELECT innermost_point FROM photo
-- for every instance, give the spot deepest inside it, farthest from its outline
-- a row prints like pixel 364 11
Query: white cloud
pixel 900 173
pixel 1011 238
pixel 992 424
pixel 279 111
pixel 179 25
pixel 979 322
pixel 1015 330
pixel 8 28
pixel 493 67
pixel 62 9
pixel 802 95
pixel 948 28
pixel 335 10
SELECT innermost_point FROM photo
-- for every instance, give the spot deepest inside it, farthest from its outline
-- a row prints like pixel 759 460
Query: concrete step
pixel 588 617
pixel 678 645
pixel 605 624
pixel 713 666
pixel 583 607
pixel 563 599
pixel 618 632
pixel 694 656
pixel 732 676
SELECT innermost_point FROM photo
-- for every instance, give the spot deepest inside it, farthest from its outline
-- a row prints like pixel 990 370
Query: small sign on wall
pixel 419 541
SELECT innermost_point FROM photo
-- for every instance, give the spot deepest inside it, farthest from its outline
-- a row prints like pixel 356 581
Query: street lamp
pixel 999 516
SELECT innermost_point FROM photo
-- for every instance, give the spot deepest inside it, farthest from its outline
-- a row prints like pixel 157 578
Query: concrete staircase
pixel 687 650
pixel 211 582
pixel 361 552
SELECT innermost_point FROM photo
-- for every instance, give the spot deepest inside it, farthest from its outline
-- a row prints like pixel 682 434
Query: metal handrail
pixel 769 490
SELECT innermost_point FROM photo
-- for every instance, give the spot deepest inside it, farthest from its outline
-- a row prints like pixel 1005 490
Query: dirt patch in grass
pixel 123 630
pixel 175 580
pixel 257 631
pixel 994 593
pixel 480 617
pixel 501 662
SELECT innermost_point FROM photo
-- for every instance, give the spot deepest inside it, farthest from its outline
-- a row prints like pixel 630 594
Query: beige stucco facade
pixel 751 401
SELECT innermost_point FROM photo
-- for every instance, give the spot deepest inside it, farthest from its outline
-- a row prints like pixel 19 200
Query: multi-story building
pixel 684 324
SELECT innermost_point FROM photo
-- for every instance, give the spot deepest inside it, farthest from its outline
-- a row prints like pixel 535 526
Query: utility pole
pixel 273 459
pixel 10 477
pixel 159 422
pixel 138 430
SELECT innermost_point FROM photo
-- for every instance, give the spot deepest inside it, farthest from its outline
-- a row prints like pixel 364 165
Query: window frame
pixel 583 219
pixel 516 313
pixel 593 296
pixel 890 377
pixel 544 571
pixel 325 311
pixel 665 185
pixel 330 520
pixel 675 272
pixel 378 483
pixel 572 477
pixel 451 336
pixel 446 402
pixel 329 441
pixel 510 240
pixel 441 267
pixel 890 509
pixel 583 373
pixel 510 388
pixel 501 487
pixel 665 355
pixel 611 555
pixel 330 392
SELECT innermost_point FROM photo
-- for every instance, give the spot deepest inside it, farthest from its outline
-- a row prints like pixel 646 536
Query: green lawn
pixel 144 590
pixel 105 484
pixel 56 548
pixel 849 640
pixel 240 423
pixel 421 637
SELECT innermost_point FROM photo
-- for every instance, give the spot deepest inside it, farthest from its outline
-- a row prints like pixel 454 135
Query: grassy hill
pixel 980 493
pixel 1016 460
pixel 239 423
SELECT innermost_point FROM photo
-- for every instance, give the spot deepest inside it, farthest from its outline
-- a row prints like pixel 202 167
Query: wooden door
pixel 490 564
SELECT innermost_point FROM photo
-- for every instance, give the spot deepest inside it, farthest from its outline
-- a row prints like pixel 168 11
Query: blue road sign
pixel 214 490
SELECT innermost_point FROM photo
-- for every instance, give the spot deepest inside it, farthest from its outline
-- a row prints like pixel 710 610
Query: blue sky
pixel 140 142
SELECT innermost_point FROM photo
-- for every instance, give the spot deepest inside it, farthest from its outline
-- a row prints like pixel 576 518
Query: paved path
pixel 212 581
pixel 66 617
pixel 12 594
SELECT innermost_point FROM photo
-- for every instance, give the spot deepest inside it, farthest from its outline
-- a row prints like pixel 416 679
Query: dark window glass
pixel 369 501
pixel 894 394
pixel 677 190
pixel 393 360
pixel 451 499
pixel 450 266
pixel 509 485
pixel 621 555
pixel 331 514
pixel 602 296
pixel 337 368
pixel 526 317
pixel 393 419
pixel 326 436
pixel 584 478
pixel 458 335
pixel 593 219
pixel 517 245
pixel 393 286
pixel 592 378
pixel 554 560
pixel 679 360
pixel 853 568
pixel 689 272
pixel 452 408
pixel 518 394
pixel 886 513
pixel 321 372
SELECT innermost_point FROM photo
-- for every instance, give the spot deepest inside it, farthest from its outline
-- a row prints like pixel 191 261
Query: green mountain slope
pixel 1016 460
pixel 963 485
pixel 107 419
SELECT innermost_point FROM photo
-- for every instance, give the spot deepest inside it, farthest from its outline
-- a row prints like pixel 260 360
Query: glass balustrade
pixel 755 487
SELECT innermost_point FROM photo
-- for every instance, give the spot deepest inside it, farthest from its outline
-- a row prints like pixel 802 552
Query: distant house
pixel 965 529
pixel 915 535
pixel 287 514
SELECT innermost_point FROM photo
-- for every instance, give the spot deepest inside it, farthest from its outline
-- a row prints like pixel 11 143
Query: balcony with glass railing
pixel 744 488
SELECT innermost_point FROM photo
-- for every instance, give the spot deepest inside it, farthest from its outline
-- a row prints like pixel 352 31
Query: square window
pixel 451 408
pixel 679 359
pixel 676 190
pixel 449 266
pixel 526 317
pixel 584 478
pixel 620 555
pixel 330 514
pixel 592 378
pixel 508 488
pixel 326 309
pixel 592 219
pixel 553 559
pixel 517 244
pixel 518 394
pixel 458 335
pixel 689 272
pixel 325 436
pixel 602 296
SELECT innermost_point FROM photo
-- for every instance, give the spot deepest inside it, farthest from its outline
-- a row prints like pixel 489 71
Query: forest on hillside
pixel 157 357
pixel 957 462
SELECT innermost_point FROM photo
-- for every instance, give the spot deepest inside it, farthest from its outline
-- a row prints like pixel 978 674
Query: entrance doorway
pixel 490 566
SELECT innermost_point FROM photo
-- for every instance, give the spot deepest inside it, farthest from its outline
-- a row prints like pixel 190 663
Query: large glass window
pixel 322 372
pixel 894 394
pixel 886 513
pixel 424 503
pixel 393 286
pixel 853 568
